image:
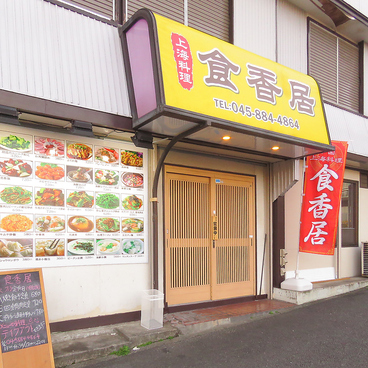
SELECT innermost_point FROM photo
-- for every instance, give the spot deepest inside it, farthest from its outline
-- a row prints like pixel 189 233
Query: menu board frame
pixel 67 200
pixel 29 293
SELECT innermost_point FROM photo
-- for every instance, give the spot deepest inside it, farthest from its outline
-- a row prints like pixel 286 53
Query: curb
pixel 82 345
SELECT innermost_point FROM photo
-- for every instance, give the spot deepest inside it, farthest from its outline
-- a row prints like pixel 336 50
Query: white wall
pixel 254 26
pixel 273 29
pixel 291 36
pixel 86 291
pixel 90 291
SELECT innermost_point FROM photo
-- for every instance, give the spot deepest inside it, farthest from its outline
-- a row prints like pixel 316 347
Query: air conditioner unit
pixel 365 259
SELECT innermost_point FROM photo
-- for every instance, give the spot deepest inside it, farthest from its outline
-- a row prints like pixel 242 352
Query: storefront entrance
pixel 209 235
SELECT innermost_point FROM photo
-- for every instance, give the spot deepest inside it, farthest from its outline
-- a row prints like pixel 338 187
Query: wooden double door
pixel 209 235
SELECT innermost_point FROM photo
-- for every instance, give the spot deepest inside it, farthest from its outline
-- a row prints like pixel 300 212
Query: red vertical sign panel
pixel 321 201
pixel 184 60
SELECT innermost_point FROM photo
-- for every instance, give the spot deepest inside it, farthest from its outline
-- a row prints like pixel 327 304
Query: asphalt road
pixel 329 333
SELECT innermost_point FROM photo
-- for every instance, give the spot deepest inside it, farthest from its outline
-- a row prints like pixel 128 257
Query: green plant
pixel 145 344
pixel 124 350
pixel 151 342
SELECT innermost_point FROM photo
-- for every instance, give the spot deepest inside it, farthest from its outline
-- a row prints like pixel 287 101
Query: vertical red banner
pixel 324 178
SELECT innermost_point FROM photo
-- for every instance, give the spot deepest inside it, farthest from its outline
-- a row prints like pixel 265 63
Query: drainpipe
pixel 154 195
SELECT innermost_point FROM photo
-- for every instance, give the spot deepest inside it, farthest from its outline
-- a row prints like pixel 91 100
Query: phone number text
pixel 258 114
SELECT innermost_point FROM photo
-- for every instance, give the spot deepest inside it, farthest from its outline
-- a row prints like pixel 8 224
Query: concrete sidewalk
pixel 81 345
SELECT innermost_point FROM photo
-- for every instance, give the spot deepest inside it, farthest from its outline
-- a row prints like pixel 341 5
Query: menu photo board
pixel 24 327
pixel 68 200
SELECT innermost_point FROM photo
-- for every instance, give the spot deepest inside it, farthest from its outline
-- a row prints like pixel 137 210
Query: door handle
pixel 214 228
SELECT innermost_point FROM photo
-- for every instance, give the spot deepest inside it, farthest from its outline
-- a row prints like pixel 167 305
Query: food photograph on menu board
pixel 16 143
pixel 132 246
pixel 108 246
pixel 77 174
pixel 49 197
pixel 49 171
pixel 107 224
pixel 49 147
pixel 81 247
pixel 132 158
pixel 132 225
pixel 15 222
pixel 16 248
pixel 80 224
pixel 132 180
pixel 15 167
pixel 16 195
pixel 79 151
pixel 50 224
pixel 80 199
pixel 106 155
pixel 50 247
pixel 107 201
pixel 106 177
pixel 132 202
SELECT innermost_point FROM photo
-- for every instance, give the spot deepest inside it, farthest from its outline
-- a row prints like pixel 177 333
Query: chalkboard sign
pixel 22 315
pixel 23 320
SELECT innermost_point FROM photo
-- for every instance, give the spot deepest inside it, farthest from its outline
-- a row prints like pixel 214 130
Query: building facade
pixel 203 220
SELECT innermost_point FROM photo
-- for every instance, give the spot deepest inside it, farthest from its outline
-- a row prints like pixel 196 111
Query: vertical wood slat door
pixel 187 227
pixel 233 253
pixel 199 268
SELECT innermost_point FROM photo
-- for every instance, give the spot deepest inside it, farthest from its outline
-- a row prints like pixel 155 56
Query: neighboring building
pixel 121 229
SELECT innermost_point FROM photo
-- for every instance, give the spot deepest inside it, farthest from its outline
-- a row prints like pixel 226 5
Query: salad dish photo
pixel 50 247
pixel 17 248
pixel 80 199
pixel 132 180
pixel 16 195
pixel 132 158
pixel 16 223
pixel 107 224
pixel 46 171
pixel 49 197
pixel 106 177
pixel 108 201
pixel 50 224
pixel 79 174
pixel 16 168
pixel 108 246
pixel 15 143
pixel 80 224
pixel 132 246
pixel 49 147
pixel 132 225
pixel 132 202
pixel 81 247
pixel 107 155
pixel 79 151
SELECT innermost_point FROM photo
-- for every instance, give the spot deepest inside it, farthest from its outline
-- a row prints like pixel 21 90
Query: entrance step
pixel 321 290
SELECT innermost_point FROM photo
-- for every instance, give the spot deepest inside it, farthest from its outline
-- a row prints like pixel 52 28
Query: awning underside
pixel 240 139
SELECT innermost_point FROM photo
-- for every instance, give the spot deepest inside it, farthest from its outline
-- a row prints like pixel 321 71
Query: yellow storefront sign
pixel 213 78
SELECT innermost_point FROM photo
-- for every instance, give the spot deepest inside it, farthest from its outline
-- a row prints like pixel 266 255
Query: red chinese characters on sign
pixel 321 202
pixel 184 60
